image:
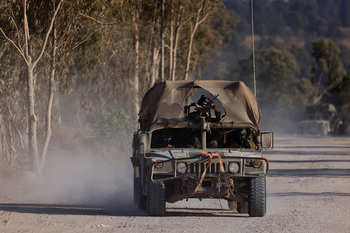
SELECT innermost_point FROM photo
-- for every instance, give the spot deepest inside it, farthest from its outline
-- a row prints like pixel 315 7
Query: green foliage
pixel 112 125
pixel 276 73
pixel 280 92
pixel 304 59
pixel 329 71
pixel 305 90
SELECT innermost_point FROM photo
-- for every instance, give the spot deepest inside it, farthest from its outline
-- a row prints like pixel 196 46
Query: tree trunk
pixel 171 42
pixel 31 62
pixel 50 100
pixel 135 83
pixel 188 58
pixel 32 122
pixel 155 66
pixel 162 43
pixel 195 27
pixel 35 163
pixel 176 39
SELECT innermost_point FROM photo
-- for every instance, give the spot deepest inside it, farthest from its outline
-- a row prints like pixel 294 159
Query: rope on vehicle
pixel 210 156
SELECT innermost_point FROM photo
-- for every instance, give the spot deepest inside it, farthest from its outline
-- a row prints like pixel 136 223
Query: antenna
pixel 252 14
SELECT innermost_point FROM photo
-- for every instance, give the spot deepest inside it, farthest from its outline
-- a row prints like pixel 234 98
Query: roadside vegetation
pixel 107 54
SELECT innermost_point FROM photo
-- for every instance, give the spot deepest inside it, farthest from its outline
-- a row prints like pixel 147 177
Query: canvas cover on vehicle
pixel 162 105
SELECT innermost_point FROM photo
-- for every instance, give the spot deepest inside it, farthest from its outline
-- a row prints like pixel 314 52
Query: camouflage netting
pixel 162 105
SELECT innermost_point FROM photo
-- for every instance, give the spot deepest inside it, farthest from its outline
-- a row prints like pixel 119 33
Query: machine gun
pixel 210 106
pixel 207 111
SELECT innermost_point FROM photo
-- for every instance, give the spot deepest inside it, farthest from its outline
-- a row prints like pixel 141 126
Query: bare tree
pixel 173 48
pixel 31 60
pixel 202 13
pixel 162 41
pixel 135 82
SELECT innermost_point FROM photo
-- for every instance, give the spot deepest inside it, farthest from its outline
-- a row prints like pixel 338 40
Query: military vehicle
pixel 207 148
pixel 320 119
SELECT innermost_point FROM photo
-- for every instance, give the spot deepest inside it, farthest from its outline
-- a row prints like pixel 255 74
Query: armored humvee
pixel 185 149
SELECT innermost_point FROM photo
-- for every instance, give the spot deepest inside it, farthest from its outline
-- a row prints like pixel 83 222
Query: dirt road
pixel 308 190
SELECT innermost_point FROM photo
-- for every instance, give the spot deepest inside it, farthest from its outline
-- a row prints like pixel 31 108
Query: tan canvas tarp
pixel 163 104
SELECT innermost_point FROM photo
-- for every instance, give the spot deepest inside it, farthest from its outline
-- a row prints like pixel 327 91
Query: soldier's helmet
pixel 203 99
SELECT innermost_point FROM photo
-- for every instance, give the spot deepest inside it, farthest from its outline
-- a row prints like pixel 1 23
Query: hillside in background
pixel 289 28
pixel 292 25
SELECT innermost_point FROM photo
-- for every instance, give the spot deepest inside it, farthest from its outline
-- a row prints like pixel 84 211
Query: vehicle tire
pixel 156 199
pixel 231 205
pixel 140 200
pixel 143 203
pixel 242 207
pixel 257 197
pixel 137 191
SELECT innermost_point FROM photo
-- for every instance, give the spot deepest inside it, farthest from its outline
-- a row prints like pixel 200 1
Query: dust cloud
pixel 87 180
pixel 78 171
pixel 280 119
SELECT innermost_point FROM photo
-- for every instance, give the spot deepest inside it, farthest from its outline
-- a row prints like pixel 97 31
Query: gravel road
pixel 308 190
